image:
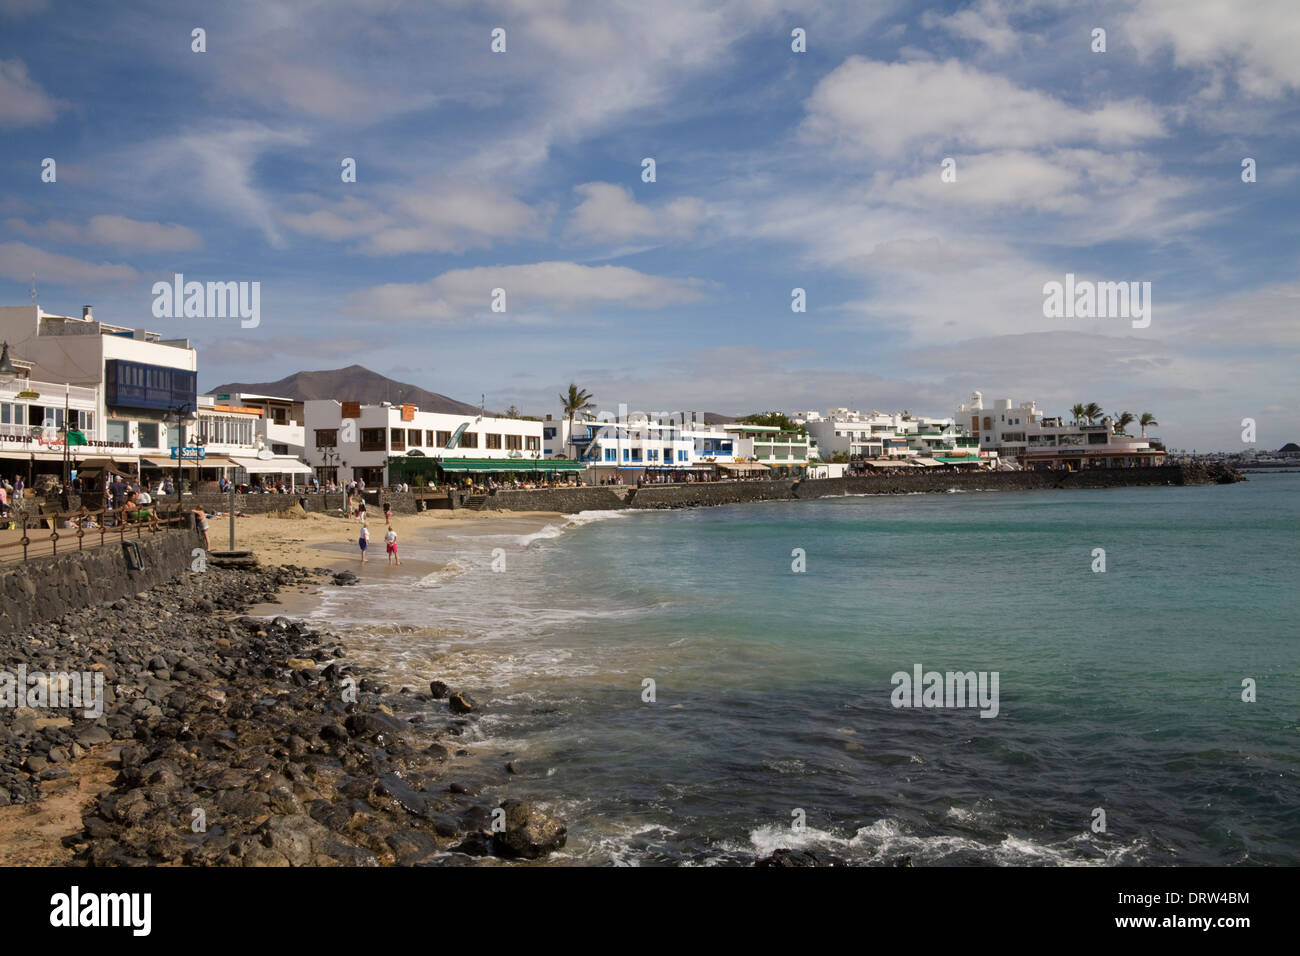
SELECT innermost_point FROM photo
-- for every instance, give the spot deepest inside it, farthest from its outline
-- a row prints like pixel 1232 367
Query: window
pixel 413 437
pixel 429 441
pixel 279 449
pixel 279 415
pixel 327 437
pixel 493 441
pixel 548 432
pixel 7 412
pixel 514 442
pixel 611 454
pixel 683 454
pixel 532 443
pixel 399 439
pixel 148 432
pixel 626 454
pixel 85 421
pixel 372 439
pixel 468 440
pixel 118 431
pixel 443 438
pixel 652 454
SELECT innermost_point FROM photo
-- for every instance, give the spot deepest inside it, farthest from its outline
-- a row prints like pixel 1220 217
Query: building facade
pixel 384 444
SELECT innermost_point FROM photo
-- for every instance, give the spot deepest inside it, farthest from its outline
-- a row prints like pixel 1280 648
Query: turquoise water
pixel 1118 691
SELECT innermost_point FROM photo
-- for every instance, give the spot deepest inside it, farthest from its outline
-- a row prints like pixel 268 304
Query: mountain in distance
pixel 356 383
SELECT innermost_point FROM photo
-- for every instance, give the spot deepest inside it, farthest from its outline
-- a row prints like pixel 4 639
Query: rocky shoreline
pixel 252 742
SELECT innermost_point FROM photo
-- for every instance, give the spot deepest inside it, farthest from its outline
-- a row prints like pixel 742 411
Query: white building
pixel 672 446
pixel 137 376
pixel 1035 440
pixel 385 444
pixel 281 425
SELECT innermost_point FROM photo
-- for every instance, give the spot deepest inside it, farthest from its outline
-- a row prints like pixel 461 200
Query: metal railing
pixel 124 523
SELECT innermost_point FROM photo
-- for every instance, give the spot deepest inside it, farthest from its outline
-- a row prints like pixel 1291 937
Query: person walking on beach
pixel 363 541
pixel 388 514
pixel 390 540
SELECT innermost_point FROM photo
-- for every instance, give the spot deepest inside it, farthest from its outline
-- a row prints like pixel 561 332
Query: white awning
pixel 272 466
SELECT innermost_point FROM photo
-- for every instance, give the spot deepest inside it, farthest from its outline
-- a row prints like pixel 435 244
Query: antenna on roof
pixel 32 292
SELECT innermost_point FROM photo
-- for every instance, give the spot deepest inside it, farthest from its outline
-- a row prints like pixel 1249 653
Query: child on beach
pixel 363 542
pixel 391 539
pixel 388 514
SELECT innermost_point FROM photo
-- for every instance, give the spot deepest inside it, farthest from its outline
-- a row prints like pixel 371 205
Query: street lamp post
pixel 180 416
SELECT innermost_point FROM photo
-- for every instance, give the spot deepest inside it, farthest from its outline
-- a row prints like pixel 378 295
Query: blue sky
pixel 775 170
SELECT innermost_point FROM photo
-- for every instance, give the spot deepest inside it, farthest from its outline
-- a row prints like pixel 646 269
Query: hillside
pixel 355 384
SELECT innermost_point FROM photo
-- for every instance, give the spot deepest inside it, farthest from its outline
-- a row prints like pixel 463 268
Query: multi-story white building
pixel 1035 440
pixel 632 445
pixel 281 424
pixel 142 382
pixel 233 438
pixel 33 438
pixel 672 446
pixel 385 444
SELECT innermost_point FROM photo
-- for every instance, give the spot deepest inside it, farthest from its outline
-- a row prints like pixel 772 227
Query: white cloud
pixel 22 101
pixel 20 261
pixel 984 23
pixel 118 231
pixel 885 109
pixel 1254 42
pixel 447 217
pixel 216 168
pixel 560 286
pixel 610 213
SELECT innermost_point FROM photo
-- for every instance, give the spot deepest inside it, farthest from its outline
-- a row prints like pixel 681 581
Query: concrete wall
pixel 402 503
pixel 567 500
pixel 43 589
pixel 699 494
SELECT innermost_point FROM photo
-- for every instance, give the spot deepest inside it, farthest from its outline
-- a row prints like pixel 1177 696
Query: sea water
pixel 681 692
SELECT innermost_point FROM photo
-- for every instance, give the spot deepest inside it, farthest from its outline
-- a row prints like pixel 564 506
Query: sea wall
pixel 402 502
pixel 567 500
pixel 44 589
pixel 700 494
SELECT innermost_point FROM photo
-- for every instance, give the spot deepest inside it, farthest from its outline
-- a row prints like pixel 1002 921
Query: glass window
pixel 469 440
pixel 493 441
pixel 443 438
pixel 117 431
pixel 532 443
pixel 611 454
pixel 148 432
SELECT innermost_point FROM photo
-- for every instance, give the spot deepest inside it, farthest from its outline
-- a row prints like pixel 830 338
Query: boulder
pixel 529 833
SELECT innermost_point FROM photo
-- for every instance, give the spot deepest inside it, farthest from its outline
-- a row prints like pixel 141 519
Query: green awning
pixel 959 461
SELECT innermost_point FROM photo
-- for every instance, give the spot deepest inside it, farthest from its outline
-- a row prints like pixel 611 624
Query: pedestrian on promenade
pixel 363 541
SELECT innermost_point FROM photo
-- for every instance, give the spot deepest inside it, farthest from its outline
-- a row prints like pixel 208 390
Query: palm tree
pixel 578 400
pixel 1077 411
pixel 1091 410
pixel 1147 419
pixel 1122 421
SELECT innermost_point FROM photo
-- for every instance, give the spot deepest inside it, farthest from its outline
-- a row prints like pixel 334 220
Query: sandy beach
pixel 329 541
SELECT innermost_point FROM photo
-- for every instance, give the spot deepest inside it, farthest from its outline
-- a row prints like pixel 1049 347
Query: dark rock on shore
pixel 788 857
pixel 239 747
pixel 529 833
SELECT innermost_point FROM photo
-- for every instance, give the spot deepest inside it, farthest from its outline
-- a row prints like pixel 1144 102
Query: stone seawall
pixel 44 589
pixel 701 494
pixel 403 503
pixel 567 500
